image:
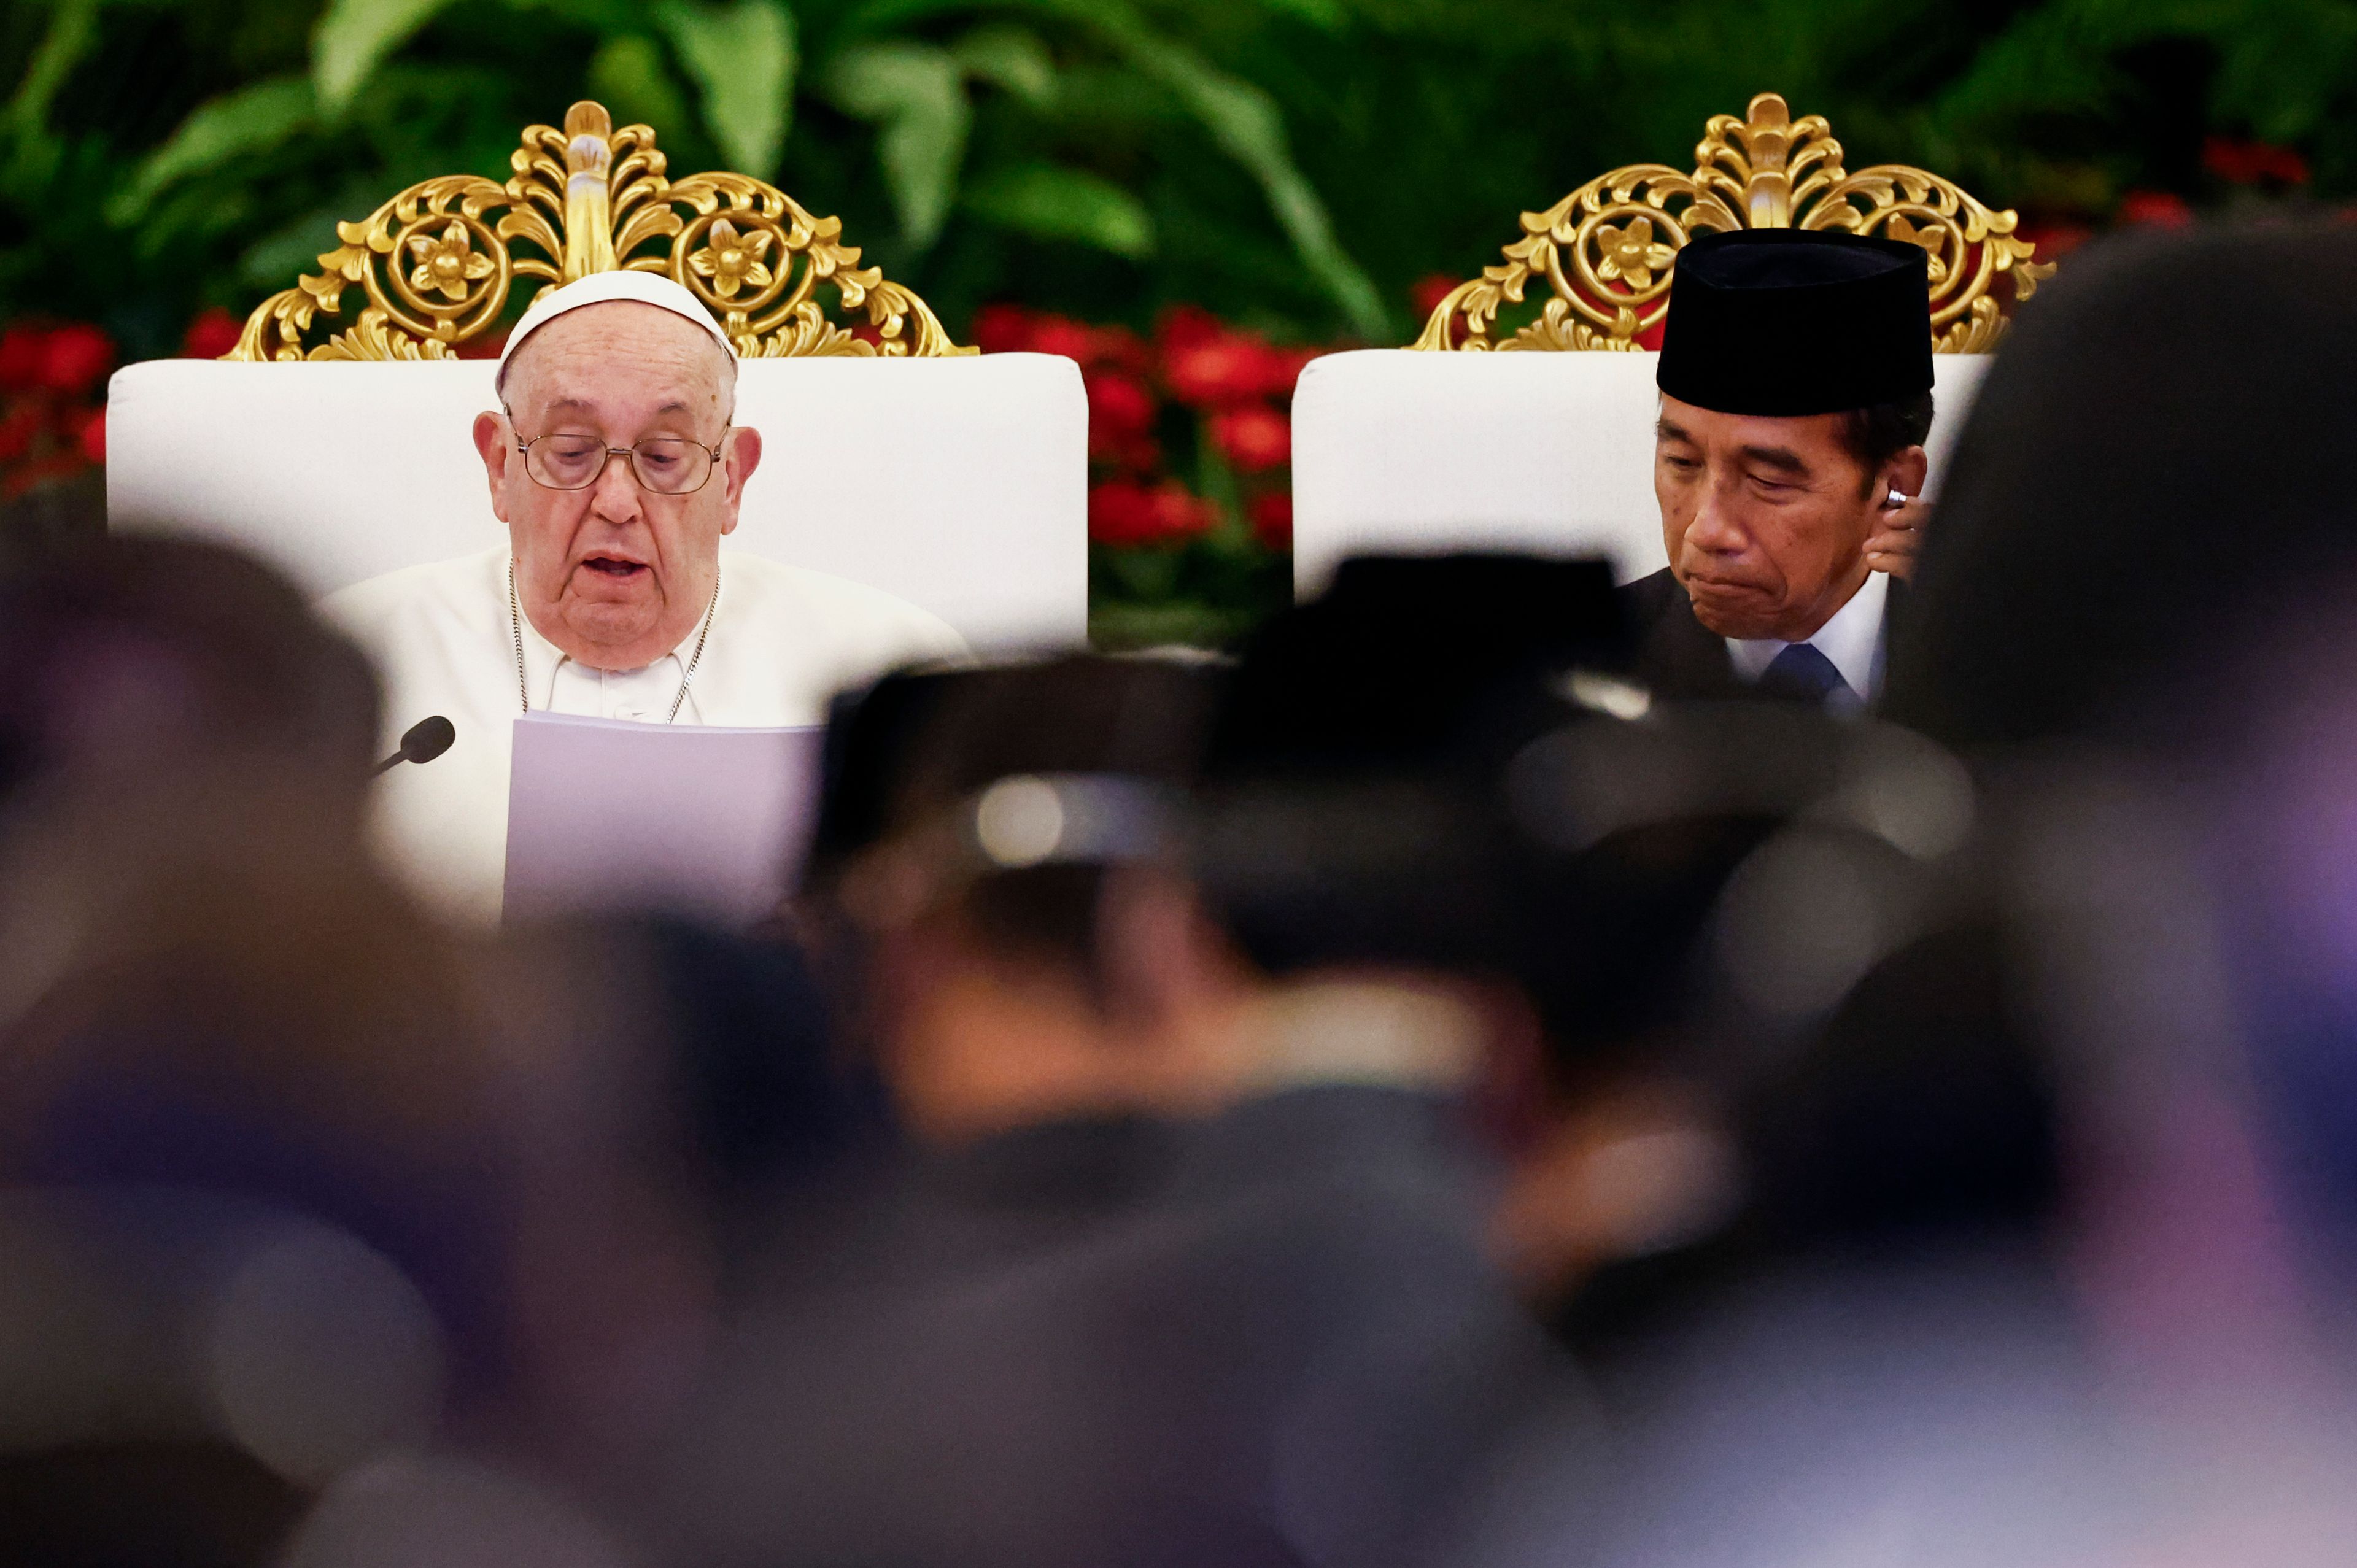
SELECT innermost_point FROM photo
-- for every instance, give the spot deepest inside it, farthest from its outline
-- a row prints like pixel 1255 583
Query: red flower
pixel 1184 327
pixel 93 435
pixel 2253 163
pixel 211 334
pixel 1010 328
pixel 1062 335
pixel 1124 513
pixel 1272 520
pixel 1254 437
pixel 2158 209
pixel 1428 292
pixel 24 353
pixel 1233 368
pixel 1002 328
pixel 75 356
pixel 1119 349
pixel 1121 413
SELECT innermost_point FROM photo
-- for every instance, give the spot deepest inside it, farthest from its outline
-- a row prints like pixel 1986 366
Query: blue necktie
pixel 1802 674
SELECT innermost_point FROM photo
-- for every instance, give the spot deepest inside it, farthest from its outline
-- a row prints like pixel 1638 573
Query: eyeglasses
pixel 665 465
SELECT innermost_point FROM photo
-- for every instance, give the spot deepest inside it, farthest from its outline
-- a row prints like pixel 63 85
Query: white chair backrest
pixel 1396 451
pixel 958 484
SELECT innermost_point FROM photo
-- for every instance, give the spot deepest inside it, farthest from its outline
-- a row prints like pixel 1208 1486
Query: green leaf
pixel 2282 65
pixel 73 28
pixel 1243 121
pixel 630 78
pixel 1065 204
pixel 354 37
pixel 1326 15
pixel 742 57
pixel 605 17
pixel 916 92
pixel 235 125
pixel 1011 58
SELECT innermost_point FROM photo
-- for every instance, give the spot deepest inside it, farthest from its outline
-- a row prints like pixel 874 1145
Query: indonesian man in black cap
pixel 1796 393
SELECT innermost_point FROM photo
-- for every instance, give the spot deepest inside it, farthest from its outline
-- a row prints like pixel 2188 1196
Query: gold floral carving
pixel 1606 253
pixel 438 263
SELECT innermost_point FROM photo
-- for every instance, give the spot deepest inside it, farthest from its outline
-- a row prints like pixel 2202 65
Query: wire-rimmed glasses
pixel 665 465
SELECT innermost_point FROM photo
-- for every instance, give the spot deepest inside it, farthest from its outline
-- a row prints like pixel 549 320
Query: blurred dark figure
pixel 1353 842
pixel 999 843
pixel 251 1217
pixel 322 1232
pixel 2134 615
pixel 1798 1214
pixel 1078 1330
pixel 2151 479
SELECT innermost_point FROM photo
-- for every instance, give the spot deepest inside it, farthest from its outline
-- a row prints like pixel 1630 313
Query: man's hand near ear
pixel 1897 537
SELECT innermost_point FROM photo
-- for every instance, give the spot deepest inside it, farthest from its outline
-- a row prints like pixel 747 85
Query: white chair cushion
pixel 1401 452
pixel 960 485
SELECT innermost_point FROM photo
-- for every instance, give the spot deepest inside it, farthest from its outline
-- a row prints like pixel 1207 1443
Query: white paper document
pixel 608 815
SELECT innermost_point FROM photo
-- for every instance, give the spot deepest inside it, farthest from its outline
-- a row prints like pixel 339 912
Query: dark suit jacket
pixel 1680 658
pixel 1265 1342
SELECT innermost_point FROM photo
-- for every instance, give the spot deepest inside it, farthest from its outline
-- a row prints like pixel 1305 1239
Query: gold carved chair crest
pixel 1606 251
pixel 438 261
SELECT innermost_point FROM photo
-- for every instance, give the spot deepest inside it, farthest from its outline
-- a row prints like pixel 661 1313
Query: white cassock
pixel 782 642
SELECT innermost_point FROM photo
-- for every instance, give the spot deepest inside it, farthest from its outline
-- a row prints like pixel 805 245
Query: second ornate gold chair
pixel 1458 447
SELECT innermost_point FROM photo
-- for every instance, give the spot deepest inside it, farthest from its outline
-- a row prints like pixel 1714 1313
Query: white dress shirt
pixel 782 642
pixel 1851 639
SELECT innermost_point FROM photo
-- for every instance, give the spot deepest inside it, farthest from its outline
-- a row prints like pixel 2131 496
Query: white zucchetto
pixel 599 288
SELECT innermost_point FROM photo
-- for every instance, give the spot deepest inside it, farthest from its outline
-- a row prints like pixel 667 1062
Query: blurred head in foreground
pixel 2150 482
pixel 1002 844
pixel 183 762
pixel 192 937
pixel 1352 840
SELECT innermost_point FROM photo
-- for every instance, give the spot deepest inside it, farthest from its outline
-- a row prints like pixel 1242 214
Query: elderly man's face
pixel 1765 519
pixel 617 576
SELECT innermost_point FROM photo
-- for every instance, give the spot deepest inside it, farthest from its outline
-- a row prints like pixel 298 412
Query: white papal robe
pixel 782 642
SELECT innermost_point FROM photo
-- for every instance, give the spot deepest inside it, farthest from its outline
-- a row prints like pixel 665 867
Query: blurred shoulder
pixel 842 612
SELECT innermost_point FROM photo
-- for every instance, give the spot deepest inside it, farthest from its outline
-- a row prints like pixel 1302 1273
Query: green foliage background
pixel 1294 165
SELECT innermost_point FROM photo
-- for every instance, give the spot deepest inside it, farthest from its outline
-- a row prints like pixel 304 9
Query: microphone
pixel 426 740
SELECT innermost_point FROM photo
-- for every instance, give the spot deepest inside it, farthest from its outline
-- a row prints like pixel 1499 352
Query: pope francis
pixel 616 467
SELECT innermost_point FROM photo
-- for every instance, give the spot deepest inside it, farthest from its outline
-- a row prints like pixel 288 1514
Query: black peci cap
pixel 918 742
pixel 1787 322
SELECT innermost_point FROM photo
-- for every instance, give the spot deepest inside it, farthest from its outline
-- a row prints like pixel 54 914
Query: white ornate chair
pixel 892 456
pixel 1448 445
